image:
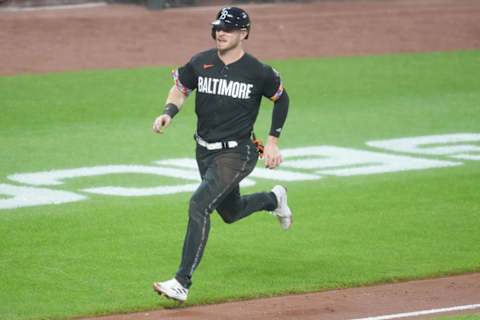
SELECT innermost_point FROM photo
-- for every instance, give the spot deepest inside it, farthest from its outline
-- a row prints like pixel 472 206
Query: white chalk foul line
pixel 422 312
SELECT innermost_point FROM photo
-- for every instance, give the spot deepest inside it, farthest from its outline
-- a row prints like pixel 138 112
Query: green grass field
pixel 464 317
pixel 101 255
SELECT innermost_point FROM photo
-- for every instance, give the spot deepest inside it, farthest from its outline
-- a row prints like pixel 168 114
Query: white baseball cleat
pixel 283 212
pixel 171 289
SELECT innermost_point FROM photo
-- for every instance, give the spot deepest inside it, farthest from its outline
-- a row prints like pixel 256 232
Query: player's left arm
pixel 272 154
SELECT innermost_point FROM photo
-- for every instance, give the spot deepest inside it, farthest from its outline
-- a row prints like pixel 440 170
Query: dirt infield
pixel 123 36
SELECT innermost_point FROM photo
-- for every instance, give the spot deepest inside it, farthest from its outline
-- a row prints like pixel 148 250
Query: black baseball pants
pixel 221 172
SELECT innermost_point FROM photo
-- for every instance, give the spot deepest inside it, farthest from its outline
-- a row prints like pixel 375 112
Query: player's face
pixel 229 39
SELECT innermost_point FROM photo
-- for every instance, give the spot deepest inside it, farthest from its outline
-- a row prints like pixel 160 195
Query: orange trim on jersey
pixel 186 92
pixel 277 94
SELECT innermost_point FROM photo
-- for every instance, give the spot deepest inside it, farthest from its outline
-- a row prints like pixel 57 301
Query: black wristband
pixel 171 110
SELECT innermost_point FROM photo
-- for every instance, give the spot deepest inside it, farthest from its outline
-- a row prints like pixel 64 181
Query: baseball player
pixel 229 86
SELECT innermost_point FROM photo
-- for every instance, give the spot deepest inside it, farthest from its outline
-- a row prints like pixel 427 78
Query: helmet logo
pixel 230 18
pixel 224 14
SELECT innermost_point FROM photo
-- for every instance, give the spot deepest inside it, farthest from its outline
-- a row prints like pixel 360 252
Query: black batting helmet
pixel 231 18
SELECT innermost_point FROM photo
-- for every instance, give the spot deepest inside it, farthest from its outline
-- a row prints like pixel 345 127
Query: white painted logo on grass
pixel 301 164
pixel 328 160
pixel 429 145
pixel 29 196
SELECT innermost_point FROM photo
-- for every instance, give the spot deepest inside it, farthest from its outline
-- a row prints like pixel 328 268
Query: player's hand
pixel 161 123
pixel 272 155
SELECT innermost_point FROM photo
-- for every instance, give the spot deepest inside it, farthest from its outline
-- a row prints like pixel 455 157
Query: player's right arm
pixel 174 103
pixel 185 82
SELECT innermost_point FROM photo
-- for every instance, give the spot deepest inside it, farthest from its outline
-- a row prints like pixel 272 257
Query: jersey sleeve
pixel 185 79
pixel 273 86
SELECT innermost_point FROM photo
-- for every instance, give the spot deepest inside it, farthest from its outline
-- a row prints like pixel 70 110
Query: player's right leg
pixel 221 173
pixel 172 289
pixel 198 229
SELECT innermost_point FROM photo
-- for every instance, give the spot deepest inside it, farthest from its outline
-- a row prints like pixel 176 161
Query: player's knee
pixel 228 219
pixel 196 208
pixel 226 215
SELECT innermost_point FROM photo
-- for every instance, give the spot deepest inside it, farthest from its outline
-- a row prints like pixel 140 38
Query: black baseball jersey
pixel 228 96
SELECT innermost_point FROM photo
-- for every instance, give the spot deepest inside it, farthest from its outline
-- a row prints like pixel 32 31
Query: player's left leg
pixel 235 207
